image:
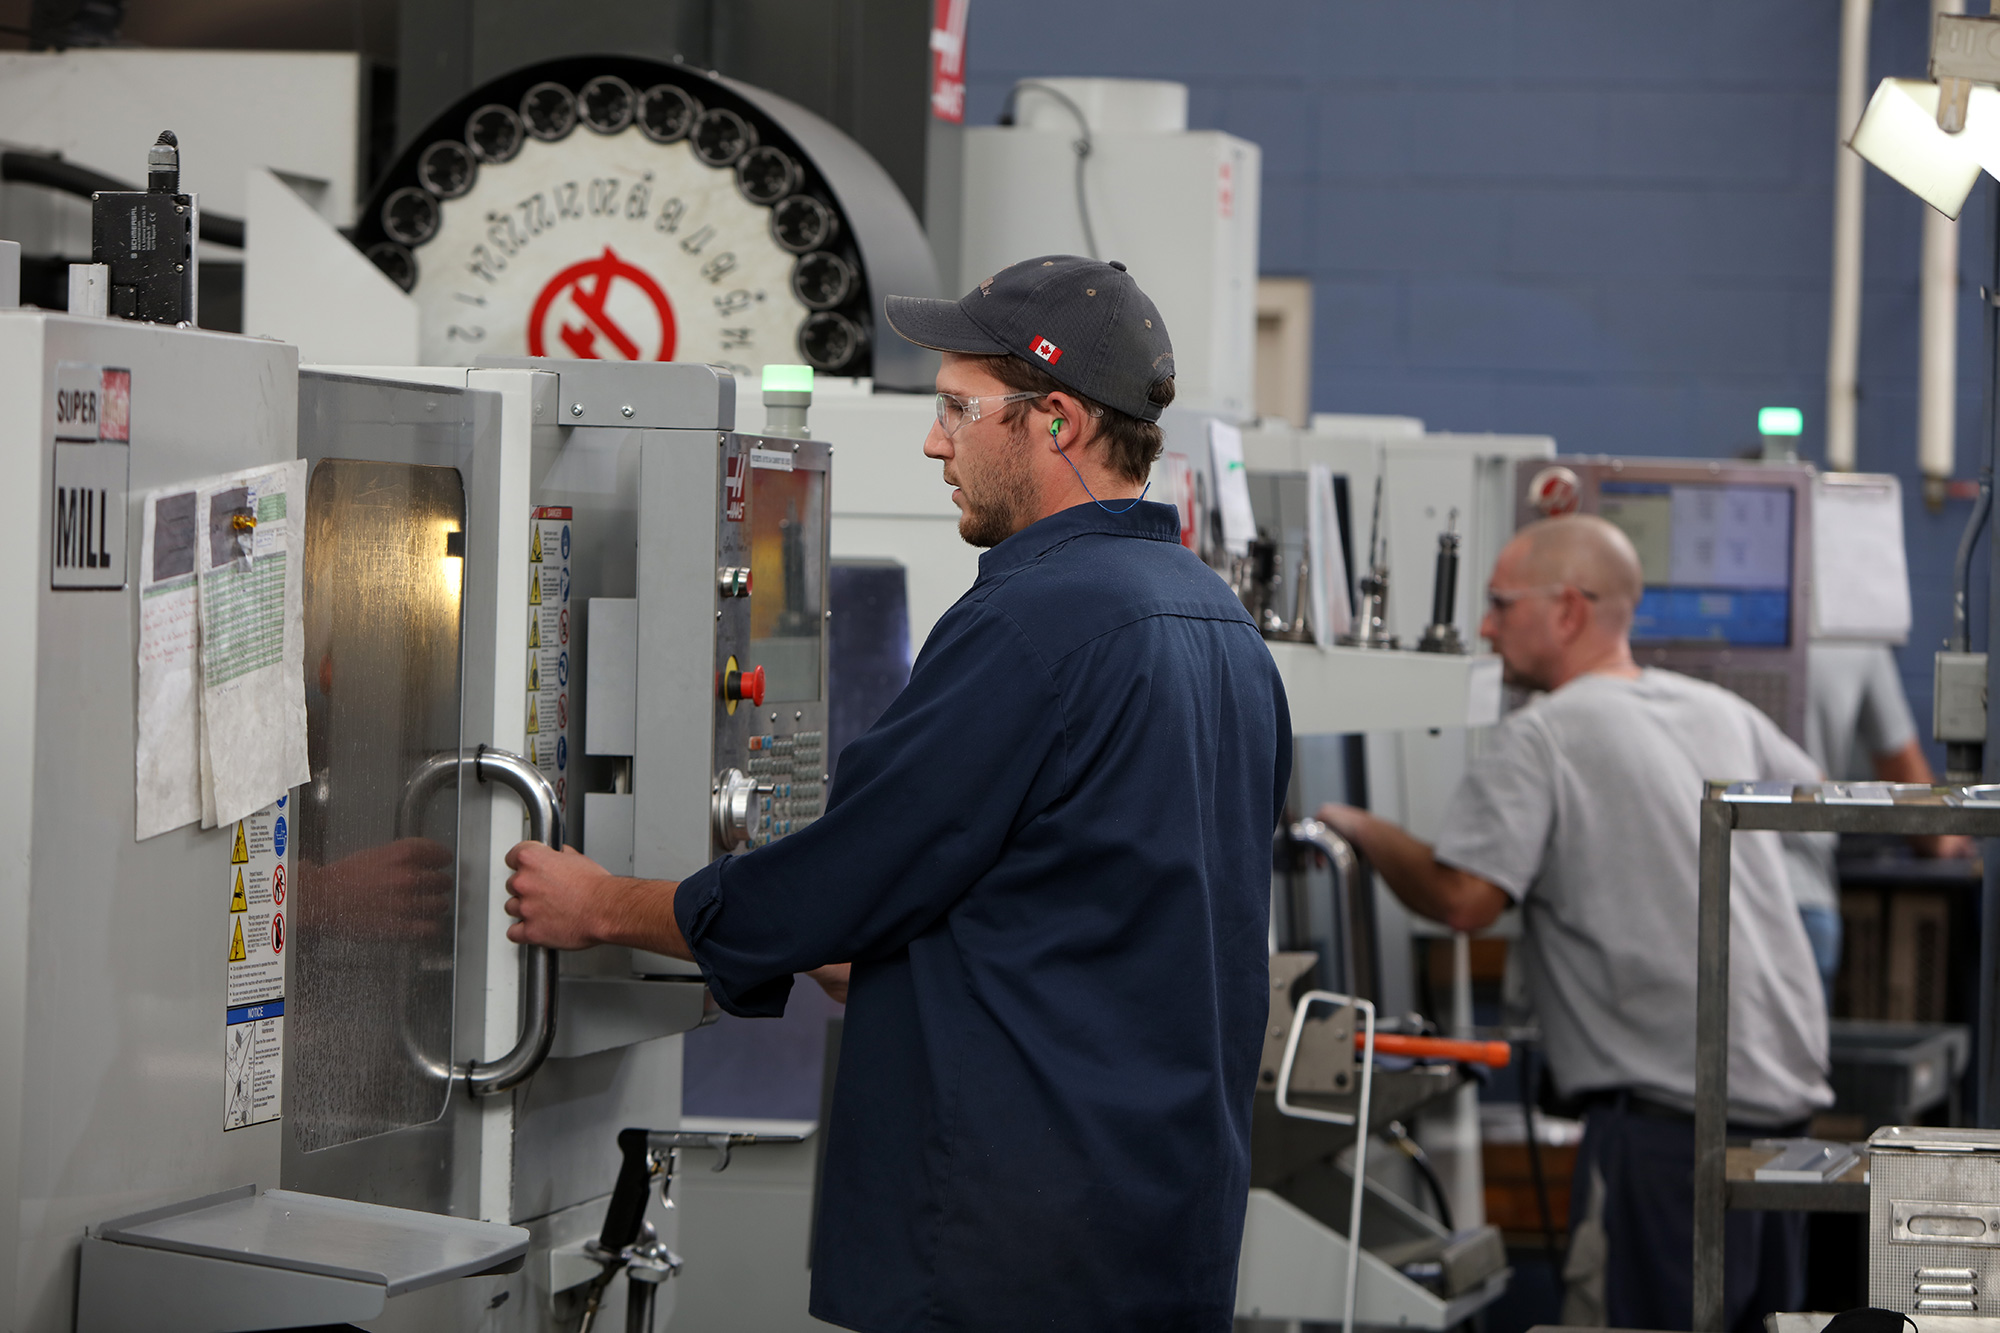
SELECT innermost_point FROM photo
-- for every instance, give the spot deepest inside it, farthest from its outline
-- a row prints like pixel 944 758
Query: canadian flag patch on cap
pixel 1047 350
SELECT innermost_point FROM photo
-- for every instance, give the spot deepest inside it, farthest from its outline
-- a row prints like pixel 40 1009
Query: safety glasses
pixel 953 411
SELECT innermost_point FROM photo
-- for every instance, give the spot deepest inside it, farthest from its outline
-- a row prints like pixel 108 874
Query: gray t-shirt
pixel 1855 710
pixel 1585 808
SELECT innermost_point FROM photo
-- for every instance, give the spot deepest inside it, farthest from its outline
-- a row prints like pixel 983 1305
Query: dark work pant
pixel 1646 1162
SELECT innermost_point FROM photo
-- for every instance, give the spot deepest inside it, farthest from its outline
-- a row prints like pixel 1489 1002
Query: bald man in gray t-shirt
pixel 1583 810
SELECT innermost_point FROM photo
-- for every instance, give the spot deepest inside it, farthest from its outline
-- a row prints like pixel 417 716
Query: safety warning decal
pixel 548 646
pixel 253 1041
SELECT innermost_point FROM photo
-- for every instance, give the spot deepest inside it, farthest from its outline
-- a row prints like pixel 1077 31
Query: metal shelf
pixel 1335 691
pixel 248 1260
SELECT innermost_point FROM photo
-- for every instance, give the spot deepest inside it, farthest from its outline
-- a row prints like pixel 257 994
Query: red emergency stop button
pixel 748 685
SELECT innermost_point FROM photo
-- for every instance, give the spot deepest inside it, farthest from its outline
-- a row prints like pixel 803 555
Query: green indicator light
pixel 788 379
pixel 1770 420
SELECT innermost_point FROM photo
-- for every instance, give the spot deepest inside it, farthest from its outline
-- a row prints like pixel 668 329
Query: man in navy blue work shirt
pixel 1049 865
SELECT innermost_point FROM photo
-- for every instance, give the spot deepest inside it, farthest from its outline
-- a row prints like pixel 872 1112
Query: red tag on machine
pixel 1555 491
pixel 948 60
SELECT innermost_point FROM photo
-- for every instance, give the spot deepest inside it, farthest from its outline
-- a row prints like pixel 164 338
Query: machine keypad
pixel 794 765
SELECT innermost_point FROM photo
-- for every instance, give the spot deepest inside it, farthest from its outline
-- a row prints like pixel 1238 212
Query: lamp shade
pixel 1899 133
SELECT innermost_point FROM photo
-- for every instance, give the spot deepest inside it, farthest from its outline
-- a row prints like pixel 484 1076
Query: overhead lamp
pixel 1934 136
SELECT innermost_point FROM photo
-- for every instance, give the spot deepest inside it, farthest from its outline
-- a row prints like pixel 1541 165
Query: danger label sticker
pixel 253 1028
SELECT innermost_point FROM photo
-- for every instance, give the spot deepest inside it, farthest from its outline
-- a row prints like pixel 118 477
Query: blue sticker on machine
pixel 251 1013
pixel 278 836
pixel 565 541
pixel 562 669
pixel 562 752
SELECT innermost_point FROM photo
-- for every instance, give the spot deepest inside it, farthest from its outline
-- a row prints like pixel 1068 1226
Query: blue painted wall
pixel 1609 221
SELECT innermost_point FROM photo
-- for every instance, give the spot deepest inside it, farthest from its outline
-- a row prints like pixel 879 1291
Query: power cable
pixel 1422 1161
pixel 52 172
pixel 1081 146
pixel 1527 1080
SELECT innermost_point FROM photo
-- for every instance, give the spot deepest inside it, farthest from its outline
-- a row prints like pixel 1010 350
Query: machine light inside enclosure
pixel 451 569
pixel 1899 133
pixel 1780 421
pixel 788 379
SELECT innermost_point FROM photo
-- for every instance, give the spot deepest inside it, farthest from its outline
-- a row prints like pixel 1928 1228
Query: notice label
pixel 777 460
pixel 253 1040
pixel 548 647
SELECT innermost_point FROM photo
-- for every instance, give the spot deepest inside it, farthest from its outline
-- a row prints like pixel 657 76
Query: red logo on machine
pixel 278 885
pixel 948 60
pixel 1047 350
pixel 603 309
pixel 1555 491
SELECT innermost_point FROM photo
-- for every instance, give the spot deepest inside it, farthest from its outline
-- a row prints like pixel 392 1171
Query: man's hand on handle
pixel 565 900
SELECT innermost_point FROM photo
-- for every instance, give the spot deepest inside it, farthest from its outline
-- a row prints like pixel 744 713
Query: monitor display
pixel 1717 559
pixel 786 616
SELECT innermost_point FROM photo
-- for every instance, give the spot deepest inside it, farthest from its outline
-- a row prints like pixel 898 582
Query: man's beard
pixel 1007 497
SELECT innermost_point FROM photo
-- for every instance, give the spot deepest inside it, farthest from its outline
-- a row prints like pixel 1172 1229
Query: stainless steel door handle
pixel 538 966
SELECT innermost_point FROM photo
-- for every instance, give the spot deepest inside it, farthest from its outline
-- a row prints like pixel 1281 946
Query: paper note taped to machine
pixel 222 720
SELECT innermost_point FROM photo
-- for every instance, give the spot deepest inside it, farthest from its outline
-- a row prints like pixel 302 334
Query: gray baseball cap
pixel 1084 321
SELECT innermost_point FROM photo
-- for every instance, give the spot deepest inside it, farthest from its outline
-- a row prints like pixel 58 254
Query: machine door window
pixel 375 925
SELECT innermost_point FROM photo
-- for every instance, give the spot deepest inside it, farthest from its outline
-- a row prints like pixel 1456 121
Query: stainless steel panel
pixel 434 1166
pixel 1934 1219
pixel 372 1024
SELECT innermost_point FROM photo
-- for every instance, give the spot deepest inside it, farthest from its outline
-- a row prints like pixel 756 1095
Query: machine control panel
pixel 770 760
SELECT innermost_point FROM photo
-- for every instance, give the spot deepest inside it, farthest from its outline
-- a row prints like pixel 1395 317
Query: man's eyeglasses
pixel 953 411
pixel 1499 600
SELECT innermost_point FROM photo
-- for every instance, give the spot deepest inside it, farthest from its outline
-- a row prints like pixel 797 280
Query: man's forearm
pixel 639 913
pixel 1402 860
pixel 1442 893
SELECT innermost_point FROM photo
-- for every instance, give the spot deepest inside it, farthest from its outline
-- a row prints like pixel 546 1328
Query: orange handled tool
pixel 1494 1054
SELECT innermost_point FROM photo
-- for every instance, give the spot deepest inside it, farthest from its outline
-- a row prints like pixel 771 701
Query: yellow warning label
pixel 535 590
pixel 534 723
pixel 534 676
pixel 237 902
pixel 534 631
pixel 241 856
pixel 535 551
pixel 236 954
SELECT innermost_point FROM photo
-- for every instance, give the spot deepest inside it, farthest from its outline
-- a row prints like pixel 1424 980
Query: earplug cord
pixel 1056 429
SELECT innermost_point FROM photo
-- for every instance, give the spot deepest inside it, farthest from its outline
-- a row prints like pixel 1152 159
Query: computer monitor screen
pixel 1717 559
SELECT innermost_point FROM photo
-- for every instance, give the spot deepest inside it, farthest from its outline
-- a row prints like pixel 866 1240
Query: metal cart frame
pixel 1725 809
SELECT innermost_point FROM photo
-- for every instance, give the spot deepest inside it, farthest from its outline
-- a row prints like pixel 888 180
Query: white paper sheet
pixel 1861 580
pixel 1232 487
pixel 168 784
pixel 1330 610
pixel 253 708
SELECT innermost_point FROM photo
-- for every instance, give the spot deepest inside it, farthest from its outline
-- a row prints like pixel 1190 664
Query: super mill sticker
pixel 92 461
pixel 548 646
pixel 253 1025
